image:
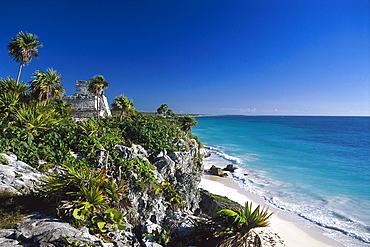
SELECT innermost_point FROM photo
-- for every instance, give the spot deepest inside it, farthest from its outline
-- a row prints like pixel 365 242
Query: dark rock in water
pixel 217 171
pixel 230 168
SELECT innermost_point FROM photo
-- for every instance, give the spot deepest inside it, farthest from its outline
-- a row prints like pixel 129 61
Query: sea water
pixel 317 168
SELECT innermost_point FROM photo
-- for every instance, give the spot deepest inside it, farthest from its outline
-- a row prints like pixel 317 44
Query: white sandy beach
pixel 294 235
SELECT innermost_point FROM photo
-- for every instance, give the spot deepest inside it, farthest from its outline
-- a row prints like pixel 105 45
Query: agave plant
pixel 86 196
pixel 36 118
pixel 236 225
pixel 12 94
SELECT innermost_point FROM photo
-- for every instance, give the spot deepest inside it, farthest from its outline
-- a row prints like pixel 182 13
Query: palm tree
pixel 186 122
pixel 22 48
pixel 162 109
pixel 170 113
pixel 96 86
pixel 46 85
pixel 122 104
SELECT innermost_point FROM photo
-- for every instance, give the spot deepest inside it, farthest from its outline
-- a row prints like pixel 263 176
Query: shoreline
pixel 283 223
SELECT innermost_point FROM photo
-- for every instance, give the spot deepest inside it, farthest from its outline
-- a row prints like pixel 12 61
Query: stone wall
pixel 84 104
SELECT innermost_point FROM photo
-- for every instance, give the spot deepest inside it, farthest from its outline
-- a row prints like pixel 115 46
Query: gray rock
pixel 230 168
pixel 149 242
pixel 187 187
pixel 217 171
pixel 149 227
pixel 129 153
pixel 17 176
pixel 4 242
pixel 182 169
pixel 165 166
pixel 44 230
pixel 204 153
pixel 7 233
pixel 123 239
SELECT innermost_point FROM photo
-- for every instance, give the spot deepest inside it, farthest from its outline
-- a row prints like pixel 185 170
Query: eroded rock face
pixel 182 169
pixel 37 229
pixel 16 176
pixel 129 153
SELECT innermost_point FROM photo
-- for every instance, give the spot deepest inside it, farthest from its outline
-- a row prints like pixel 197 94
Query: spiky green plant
pixel 86 196
pixel 36 118
pixel 236 224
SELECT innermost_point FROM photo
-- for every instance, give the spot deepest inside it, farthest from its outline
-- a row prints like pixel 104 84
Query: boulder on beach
pixel 230 168
pixel 217 171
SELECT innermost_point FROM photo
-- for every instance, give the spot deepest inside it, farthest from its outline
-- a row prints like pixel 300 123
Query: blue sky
pixel 274 57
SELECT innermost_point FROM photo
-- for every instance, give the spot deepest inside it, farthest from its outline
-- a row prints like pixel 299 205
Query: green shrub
pixel 3 160
pixel 236 224
pixel 140 167
pixel 86 197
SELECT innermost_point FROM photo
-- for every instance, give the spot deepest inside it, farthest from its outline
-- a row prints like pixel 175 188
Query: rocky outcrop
pixel 210 204
pixel 182 169
pixel 217 171
pixel 16 176
pixel 230 168
pixel 148 214
pixel 38 229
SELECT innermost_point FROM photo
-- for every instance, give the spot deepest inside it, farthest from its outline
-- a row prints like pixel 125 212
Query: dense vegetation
pixel 36 125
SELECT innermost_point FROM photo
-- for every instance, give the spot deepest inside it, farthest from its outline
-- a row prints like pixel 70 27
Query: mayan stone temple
pixel 85 104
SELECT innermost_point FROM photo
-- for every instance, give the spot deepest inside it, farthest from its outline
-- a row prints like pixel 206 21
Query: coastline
pixel 293 233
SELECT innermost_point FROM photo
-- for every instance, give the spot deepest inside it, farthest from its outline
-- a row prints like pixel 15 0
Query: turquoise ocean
pixel 317 168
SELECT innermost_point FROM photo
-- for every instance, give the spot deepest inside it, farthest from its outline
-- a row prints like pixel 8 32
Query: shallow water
pixel 315 167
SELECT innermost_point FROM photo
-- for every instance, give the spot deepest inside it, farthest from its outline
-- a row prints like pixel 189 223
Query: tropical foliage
pixel 236 224
pixel 23 48
pixel 123 105
pixel 87 190
pixel 12 95
pixel 96 86
pixel 46 85
pixel 162 109
pixel 87 196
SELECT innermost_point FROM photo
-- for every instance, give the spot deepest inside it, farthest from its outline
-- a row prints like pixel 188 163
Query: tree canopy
pixel 46 85
pixel 23 48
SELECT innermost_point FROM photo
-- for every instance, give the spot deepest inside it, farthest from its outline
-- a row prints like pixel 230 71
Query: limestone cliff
pixel 147 212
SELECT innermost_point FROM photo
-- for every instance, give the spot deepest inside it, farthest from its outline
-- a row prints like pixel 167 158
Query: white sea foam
pixel 332 213
pixel 216 151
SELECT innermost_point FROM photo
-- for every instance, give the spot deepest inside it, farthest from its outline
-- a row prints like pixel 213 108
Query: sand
pixel 292 233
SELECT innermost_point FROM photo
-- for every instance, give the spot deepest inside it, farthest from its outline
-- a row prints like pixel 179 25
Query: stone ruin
pixel 85 104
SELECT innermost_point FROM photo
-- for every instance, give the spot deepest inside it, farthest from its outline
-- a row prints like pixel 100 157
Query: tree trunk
pixel 19 71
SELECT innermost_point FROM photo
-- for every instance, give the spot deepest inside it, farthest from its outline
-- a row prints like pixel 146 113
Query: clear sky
pixel 265 57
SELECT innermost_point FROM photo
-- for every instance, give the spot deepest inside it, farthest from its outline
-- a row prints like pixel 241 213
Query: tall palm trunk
pixel 19 71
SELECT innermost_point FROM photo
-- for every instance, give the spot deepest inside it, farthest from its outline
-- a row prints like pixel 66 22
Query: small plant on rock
pixel 86 197
pixel 236 225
